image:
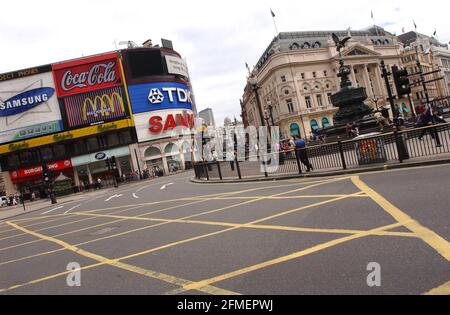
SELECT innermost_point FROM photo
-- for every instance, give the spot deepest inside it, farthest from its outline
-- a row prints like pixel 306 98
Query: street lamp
pixel 253 81
pixel 270 109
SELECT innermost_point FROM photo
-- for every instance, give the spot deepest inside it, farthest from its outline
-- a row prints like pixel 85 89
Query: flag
pixel 415 26
pixel 248 68
pixel 271 12
pixel 435 32
pixel 403 30
pixel 371 14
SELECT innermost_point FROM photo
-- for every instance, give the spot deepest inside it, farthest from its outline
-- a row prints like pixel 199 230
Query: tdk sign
pixel 159 96
pixel 25 101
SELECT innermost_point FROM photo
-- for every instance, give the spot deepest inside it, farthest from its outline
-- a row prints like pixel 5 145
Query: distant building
pixel 432 56
pixel 208 117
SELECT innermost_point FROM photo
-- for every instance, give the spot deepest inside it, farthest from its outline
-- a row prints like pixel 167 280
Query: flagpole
pixel 374 24
pixel 274 23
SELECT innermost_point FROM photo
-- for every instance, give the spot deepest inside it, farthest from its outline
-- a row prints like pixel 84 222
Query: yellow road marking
pixel 428 236
pixel 155 225
pixel 251 226
pixel 441 290
pixel 115 263
pixel 286 197
pixel 201 236
pixel 198 285
pixel 87 228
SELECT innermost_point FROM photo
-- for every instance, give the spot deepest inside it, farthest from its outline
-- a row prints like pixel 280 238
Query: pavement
pixel 331 235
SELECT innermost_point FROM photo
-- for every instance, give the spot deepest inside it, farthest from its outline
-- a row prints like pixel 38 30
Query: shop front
pixel 30 179
pixel 89 168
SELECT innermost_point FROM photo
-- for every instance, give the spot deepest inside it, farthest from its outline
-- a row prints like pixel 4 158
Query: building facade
pixel 74 115
pixel 297 74
pixel 432 56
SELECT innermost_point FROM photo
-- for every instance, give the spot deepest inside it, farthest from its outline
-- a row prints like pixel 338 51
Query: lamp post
pixel 253 81
pixel 270 109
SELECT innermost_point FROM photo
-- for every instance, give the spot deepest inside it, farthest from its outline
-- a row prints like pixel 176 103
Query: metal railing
pixel 395 147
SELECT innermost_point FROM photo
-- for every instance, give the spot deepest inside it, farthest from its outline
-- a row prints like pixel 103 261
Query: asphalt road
pixel 305 236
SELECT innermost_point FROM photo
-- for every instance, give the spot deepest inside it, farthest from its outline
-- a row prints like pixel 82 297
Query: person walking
pixel 301 150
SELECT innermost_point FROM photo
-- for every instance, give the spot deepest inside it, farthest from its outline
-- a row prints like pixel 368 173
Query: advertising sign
pixel 150 97
pixel 68 135
pixel 176 65
pixel 164 124
pixel 28 106
pixel 95 108
pixel 87 74
pixel 37 170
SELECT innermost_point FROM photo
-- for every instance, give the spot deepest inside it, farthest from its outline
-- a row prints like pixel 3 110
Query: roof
pixel 410 37
pixel 320 39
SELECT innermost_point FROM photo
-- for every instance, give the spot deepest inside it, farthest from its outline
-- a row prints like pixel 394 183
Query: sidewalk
pixel 414 162
pixel 11 212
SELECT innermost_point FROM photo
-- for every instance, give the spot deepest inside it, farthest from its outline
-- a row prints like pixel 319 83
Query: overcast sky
pixel 215 37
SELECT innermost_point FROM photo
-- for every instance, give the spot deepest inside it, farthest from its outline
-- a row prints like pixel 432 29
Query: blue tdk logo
pixel 25 101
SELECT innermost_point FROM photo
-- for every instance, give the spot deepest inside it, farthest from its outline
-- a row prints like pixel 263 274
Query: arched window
pixel 295 46
pixel 325 122
pixel 306 45
pixel 171 149
pixel 295 130
pixel 317 45
pixel 314 125
pixel 152 153
pixel 386 41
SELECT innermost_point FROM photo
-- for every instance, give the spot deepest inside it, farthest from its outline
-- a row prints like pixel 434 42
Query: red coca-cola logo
pixel 87 75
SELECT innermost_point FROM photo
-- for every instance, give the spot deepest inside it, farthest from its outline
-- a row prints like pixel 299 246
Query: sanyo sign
pixel 159 96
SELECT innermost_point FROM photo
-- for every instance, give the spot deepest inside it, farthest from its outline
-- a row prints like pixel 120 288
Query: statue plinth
pixel 351 105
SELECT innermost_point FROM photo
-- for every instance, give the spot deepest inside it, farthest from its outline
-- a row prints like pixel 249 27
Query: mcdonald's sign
pixel 95 107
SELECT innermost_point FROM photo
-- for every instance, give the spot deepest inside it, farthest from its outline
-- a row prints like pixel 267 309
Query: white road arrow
pixel 112 197
pixel 57 208
pixel 165 186
pixel 135 196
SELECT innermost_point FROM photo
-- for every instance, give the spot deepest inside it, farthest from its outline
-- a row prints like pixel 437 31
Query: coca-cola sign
pixel 87 75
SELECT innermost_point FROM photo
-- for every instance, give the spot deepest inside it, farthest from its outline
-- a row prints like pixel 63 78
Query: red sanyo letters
pixel 158 124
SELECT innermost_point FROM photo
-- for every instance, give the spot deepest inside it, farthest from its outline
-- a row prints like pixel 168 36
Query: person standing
pixel 301 150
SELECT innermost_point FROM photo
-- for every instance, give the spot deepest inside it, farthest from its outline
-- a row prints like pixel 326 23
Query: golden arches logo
pixel 102 105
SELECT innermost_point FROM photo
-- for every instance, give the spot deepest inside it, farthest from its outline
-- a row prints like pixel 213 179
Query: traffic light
pixel 113 163
pixel 45 173
pixel 108 163
pixel 401 80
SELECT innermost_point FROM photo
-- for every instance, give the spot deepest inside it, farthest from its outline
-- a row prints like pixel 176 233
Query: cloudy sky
pixel 216 37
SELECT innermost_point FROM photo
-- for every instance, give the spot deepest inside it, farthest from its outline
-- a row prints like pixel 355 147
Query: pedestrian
pixel 302 151
pixel 348 129
pixel 381 120
pixel 99 183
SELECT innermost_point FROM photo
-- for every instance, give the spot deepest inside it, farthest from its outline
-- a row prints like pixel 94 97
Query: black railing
pixel 396 147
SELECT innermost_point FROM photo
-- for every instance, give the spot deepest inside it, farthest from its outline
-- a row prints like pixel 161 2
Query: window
pixel 314 75
pixel 325 73
pixel 290 106
pixel 92 144
pixel 308 101
pixel 113 140
pixel 319 100
pixel 59 151
pixel 125 137
pixel 325 122
pixel 286 92
pixel 306 45
pixel 314 125
pixel 283 78
pixel 46 154
pixel 295 130
pixel 327 86
pixel 329 98
pixel 303 76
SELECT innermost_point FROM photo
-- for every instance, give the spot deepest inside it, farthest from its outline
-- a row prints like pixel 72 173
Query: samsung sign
pixel 159 96
pixel 25 101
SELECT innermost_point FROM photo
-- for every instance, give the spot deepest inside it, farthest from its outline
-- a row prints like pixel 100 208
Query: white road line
pixel 72 208
pixel 135 196
pixel 54 209
pixel 112 197
pixel 165 186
